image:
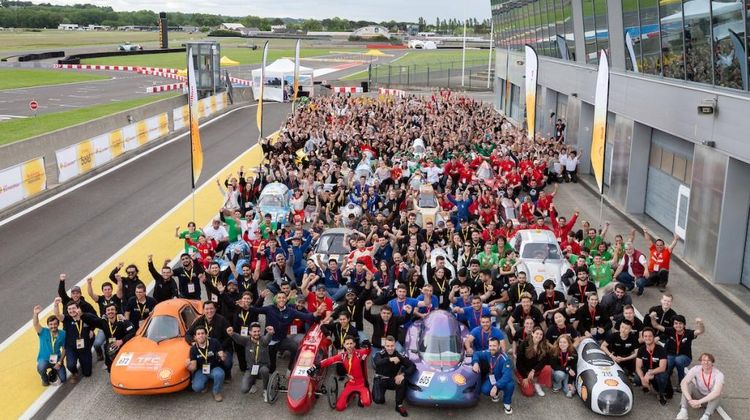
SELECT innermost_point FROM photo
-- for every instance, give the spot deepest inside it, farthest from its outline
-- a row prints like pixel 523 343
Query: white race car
pixel 601 383
pixel 540 257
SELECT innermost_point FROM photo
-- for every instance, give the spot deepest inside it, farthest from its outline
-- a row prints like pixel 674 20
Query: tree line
pixel 25 14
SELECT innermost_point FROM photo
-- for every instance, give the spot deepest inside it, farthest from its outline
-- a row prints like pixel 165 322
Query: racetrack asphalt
pixel 66 97
pixel 78 231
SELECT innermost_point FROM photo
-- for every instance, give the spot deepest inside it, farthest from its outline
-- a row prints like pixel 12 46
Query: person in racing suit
pixel 499 373
pixel 356 370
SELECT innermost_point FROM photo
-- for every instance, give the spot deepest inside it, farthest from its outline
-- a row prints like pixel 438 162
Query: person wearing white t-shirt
pixel 571 166
pixel 218 233
pixel 702 384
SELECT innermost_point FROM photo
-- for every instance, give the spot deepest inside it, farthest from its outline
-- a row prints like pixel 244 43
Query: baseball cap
pixel 350 291
pixel 572 301
pixel 75 289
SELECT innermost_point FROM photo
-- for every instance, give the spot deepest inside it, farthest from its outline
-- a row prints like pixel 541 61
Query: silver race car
pixel 601 383
pixel 540 257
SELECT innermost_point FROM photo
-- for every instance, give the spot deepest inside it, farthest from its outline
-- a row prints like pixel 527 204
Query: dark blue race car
pixel 444 377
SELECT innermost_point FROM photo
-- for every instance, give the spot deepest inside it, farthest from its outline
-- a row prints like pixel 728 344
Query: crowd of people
pixel 263 289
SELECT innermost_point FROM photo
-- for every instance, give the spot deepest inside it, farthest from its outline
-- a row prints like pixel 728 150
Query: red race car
pixel 302 390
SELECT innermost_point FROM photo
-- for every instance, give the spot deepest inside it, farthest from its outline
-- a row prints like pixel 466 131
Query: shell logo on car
pixel 459 379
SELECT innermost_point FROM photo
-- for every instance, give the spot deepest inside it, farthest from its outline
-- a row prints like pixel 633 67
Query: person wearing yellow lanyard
pixel 256 354
pixel 116 331
pixel 51 347
pixel 139 307
pixel 78 339
pixel 206 359
pixel 241 322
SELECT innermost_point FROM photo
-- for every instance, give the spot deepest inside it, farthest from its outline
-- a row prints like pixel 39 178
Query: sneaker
pixel 508 409
pixel 265 396
pixel 705 416
pixel 253 389
pixel 683 414
pixel 402 411
pixel 104 366
pixel 569 394
pixel 218 397
pixel 662 400
pixel 74 378
pixel 555 390
pixel 496 398
pixel 645 389
pixel 538 389
pixel 45 383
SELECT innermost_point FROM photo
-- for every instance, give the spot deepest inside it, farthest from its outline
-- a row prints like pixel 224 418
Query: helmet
pixel 52 376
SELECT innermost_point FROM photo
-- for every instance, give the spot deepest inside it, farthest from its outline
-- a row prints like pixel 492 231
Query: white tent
pixel 279 80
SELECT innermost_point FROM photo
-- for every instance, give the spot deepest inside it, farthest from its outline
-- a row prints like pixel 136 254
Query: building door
pixel 670 166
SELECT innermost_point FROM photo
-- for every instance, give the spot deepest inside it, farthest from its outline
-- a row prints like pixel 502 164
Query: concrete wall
pixel 46 144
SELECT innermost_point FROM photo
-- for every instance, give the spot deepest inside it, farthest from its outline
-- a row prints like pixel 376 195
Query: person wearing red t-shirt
pixel 526 209
pixel 491 232
pixel 507 164
pixel 318 297
pixel 544 201
pixel 658 262
pixel 353 361
pixel 559 225
pixel 570 241
pixel 206 247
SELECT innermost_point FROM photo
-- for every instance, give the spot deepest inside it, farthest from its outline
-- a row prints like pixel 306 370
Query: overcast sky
pixel 373 10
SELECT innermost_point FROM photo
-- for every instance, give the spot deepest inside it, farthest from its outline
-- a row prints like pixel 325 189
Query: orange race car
pixel 155 360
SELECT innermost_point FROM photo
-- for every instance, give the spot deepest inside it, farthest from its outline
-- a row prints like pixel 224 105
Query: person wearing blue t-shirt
pixel 472 315
pixel 499 373
pixel 51 347
pixel 426 302
pixel 479 338
pixel 398 304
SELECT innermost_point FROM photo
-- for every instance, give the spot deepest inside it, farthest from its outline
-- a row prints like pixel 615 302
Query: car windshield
pixel 332 244
pixel 427 200
pixel 441 352
pixel 541 251
pixel 271 201
pixel 162 328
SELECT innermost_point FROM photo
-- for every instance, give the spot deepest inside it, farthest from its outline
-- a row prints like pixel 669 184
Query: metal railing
pixel 439 74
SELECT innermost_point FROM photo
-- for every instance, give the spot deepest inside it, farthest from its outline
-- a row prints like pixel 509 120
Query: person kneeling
pixel 499 376
pixel 391 371
pixel 356 370
pixel 206 358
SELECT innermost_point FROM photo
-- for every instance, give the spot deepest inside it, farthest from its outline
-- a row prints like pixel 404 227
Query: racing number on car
pixel 124 359
pixel 425 378
pixel 301 370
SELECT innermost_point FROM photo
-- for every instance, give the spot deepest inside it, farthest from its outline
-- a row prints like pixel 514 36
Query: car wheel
pixel 274 384
pixel 332 391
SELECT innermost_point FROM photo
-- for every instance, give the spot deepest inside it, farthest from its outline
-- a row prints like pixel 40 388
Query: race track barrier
pixel 162 74
pixel 113 67
pixel 393 92
pixel 346 89
pixel 206 107
pixel 22 181
pixel 166 88
pixel 83 157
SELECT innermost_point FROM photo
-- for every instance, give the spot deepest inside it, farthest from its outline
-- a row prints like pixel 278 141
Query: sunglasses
pixel 130 272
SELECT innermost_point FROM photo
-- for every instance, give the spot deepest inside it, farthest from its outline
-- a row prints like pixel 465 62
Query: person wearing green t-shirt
pixel 592 240
pixel 488 259
pixel 234 224
pixel 191 233
pixel 507 264
pixel 602 251
pixel 601 274
pixel 502 247
pixel 267 227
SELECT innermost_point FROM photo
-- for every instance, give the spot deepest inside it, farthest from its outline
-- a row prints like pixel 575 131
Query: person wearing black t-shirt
pixel 216 328
pixel 592 319
pixel 139 307
pixel 165 287
pixel 116 331
pixel 583 286
pixel 550 301
pixel 525 310
pixel 679 346
pixel 78 339
pixel 622 346
pixel 515 291
pixel 628 313
pixel 664 313
pixel 559 327
pixel 651 366
pixel 206 361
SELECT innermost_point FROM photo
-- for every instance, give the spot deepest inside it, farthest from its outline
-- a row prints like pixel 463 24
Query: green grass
pixel 20 129
pixel 22 78
pixel 177 60
pixel 54 39
pixel 420 60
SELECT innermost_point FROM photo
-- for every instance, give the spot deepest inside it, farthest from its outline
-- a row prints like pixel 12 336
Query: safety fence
pixel 471 76
pixel 22 181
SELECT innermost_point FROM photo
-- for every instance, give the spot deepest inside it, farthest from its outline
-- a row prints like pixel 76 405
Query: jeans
pixel 227 363
pixel 43 365
pixel 659 383
pixel 248 380
pixel 73 356
pixel 629 281
pixel 560 380
pixel 658 278
pixel 506 388
pixel 100 341
pixel 680 362
pixel 336 293
pixel 200 380
pixel 289 344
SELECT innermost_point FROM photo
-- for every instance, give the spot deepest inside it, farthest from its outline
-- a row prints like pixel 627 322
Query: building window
pixel 729 47
pixel 601 24
pixel 589 31
pixel 649 37
pixel 698 66
pixel 632 28
pixel 673 51
pixel 568 20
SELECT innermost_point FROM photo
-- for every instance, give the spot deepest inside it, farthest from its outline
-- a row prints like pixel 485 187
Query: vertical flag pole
pixel 296 76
